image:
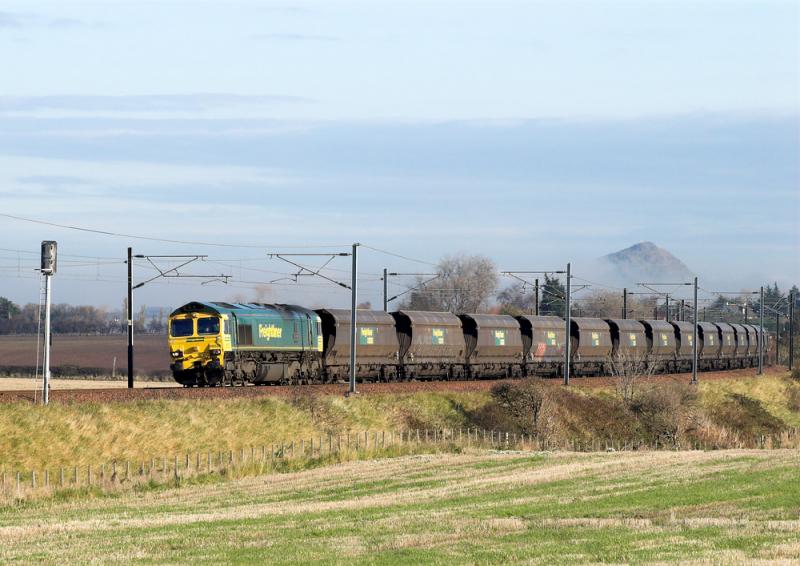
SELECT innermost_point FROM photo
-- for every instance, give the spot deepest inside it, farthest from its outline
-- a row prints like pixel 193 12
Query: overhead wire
pixel 400 256
pixel 163 240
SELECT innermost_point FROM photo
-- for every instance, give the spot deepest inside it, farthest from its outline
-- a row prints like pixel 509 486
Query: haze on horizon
pixel 533 133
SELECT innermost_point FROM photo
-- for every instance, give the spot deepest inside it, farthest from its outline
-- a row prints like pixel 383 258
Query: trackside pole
pixel 625 303
pixel 792 299
pixel 567 319
pixel 353 320
pixel 385 290
pixel 130 318
pixel 694 336
pixel 48 268
pixel 761 334
pixel 46 368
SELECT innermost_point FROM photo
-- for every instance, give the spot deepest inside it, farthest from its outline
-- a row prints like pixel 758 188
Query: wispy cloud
pixel 28 20
pixel 141 103
pixel 52 180
pixel 295 37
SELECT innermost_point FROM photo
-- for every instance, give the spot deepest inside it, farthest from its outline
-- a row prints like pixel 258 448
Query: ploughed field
pixel 719 507
pixel 87 356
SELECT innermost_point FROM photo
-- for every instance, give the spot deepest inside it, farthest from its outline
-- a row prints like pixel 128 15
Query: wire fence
pixel 297 454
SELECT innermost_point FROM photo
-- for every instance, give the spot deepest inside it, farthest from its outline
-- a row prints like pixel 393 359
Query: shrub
pixel 524 403
pixel 585 417
pixel 493 417
pixel 663 410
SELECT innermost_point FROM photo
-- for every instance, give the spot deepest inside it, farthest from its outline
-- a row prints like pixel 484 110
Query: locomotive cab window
pixel 181 327
pixel 208 326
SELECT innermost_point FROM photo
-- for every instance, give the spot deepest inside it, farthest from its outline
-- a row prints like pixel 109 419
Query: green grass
pixel 479 507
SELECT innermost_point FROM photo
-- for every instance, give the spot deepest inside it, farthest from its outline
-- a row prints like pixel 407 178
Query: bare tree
pixel 602 304
pixel 140 320
pixel 465 283
pixel 630 369
pixel 517 299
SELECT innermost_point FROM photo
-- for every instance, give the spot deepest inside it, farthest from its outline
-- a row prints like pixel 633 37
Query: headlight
pixel 216 352
pixel 177 354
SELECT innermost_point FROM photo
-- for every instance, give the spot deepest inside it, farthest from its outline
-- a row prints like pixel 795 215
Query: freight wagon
pixel 216 343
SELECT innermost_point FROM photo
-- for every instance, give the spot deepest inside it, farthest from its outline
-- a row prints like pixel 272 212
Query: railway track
pixel 116 395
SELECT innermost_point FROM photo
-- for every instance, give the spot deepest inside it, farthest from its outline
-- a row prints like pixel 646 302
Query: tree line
pixel 463 284
pixel 76 319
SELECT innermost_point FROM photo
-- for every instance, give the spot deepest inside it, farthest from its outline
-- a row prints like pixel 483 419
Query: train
pixel 218 343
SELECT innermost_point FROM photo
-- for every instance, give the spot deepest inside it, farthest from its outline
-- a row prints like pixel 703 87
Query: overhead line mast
pixel 162 273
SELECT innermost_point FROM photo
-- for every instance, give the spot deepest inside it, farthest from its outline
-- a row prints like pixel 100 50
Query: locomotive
pixel 217 343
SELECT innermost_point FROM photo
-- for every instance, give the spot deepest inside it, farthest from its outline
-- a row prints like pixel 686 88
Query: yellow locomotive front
pixel 197 345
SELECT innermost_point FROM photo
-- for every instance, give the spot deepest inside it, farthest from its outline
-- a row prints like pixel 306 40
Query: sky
pixel 535 133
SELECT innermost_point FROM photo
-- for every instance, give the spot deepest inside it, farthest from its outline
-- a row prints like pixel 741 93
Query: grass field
pixel 728 507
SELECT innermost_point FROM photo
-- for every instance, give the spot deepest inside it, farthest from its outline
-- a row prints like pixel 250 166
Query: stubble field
pixel 727 507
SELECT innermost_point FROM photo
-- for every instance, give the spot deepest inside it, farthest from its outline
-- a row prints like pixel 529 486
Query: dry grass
pixel 81 434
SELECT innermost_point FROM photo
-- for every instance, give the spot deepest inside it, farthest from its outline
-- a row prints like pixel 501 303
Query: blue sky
pixel 535 133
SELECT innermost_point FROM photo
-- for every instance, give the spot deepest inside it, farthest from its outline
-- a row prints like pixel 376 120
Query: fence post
pixel 89 474
pixel 18 486
pixel 47 478
pixel 33 479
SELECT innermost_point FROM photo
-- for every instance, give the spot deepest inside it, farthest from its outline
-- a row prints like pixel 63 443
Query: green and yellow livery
pixel 219 343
